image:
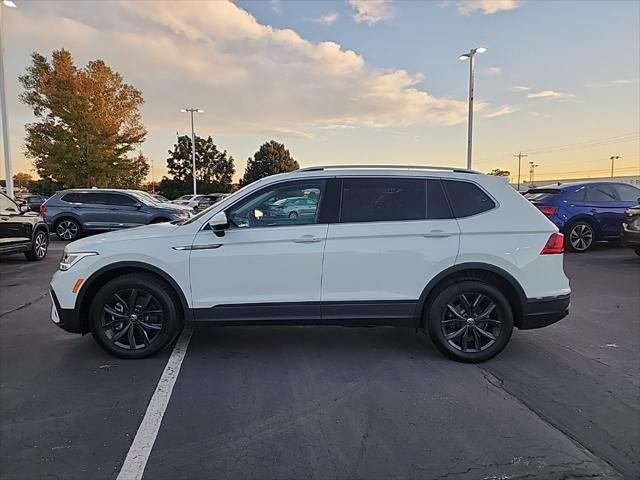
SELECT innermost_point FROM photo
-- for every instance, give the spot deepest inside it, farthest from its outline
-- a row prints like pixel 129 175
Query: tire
pixel 39 247
pixel 463 337
pixel 68 229
pixel 293 215
pixel 151 314
pixel 580 237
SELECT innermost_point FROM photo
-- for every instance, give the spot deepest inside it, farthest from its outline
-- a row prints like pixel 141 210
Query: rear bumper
pixel 541 312
pixel 66 318
pixel 630 238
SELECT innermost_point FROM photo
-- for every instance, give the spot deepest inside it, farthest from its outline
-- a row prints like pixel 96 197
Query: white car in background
pixel 459 255
pixel 190 201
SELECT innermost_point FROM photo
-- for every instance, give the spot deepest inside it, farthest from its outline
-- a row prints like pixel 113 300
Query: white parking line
pixel 136 461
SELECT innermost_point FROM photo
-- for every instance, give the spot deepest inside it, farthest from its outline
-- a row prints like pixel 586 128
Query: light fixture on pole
pixel 193 143
pixel 3 100
pixel 470 56
pixel 613 158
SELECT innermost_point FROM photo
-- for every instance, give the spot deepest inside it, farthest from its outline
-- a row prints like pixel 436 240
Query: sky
pixel 361 81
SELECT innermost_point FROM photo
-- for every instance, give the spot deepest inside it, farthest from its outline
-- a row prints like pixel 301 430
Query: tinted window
pixel 270 207
pixel 94 198
pixel 119 199
pixel 73 198
pixel 437 204
pixel 541 193
pixel 600 193
pixel 627 193
pixel 467 198
pixel 577 195
pixel 383 199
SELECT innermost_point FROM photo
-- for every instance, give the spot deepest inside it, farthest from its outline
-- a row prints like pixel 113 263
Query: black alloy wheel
pixel 581 237
pixel 68 229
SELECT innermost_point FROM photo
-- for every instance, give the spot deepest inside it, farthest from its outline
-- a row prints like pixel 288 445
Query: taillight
pixel 554 245
pixel 43 209
pixel 550 211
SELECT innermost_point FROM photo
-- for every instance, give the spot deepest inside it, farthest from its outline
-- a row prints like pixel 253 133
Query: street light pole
pixel 8 171
pixel 613 158
pixel 193 144
pixel 471 56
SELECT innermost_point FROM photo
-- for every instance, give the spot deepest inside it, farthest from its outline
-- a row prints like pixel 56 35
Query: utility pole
pixel 531 170
pixel 520 157
pixel 613 158
pixel 193 143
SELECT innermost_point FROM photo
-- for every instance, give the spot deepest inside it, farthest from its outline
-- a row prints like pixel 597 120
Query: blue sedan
pixel 585 212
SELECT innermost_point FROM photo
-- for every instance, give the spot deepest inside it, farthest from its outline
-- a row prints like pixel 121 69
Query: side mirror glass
pixel 219 223
pixel 24 208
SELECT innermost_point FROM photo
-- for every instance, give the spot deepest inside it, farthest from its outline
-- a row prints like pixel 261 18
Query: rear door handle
pixel 307 239
pixel 437 234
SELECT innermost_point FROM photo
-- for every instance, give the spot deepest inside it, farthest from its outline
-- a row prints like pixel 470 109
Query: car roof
pixel 562 186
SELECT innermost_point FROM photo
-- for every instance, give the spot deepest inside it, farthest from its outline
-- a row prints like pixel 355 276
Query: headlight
pixel 69 259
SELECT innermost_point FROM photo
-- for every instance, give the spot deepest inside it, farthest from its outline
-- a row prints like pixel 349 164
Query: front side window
pixel 467 198
pixel 119 199
pixel 277 205
pixel 627 193
pixel 383 199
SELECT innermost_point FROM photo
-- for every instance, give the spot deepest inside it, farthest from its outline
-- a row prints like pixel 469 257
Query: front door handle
pixel 307 239
pixel 437 234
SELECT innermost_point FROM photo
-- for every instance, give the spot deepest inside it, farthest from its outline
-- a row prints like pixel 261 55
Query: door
pixel 604 206
pixel 266 266
pixel 123 211
pixel 393 236
pixel 14 231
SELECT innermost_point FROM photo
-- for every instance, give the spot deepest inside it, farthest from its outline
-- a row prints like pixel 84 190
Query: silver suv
pixel 70 213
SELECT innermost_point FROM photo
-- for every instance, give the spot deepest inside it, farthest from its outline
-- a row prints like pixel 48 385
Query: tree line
pixel 88 125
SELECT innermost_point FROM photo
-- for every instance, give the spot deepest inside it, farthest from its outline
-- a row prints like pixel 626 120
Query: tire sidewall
pixel 146 283
pixel 569 245
pixel 437 310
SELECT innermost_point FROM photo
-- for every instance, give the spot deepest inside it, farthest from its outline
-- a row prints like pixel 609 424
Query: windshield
pixel 143 197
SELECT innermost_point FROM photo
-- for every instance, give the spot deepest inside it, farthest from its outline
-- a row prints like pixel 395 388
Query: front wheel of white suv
pixel 470 321
pixel 134 316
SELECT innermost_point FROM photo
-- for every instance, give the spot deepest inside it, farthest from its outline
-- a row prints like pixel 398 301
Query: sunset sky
pixel 361 81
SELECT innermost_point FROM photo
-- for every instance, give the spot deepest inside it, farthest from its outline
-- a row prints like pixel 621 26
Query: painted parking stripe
pixel 136 461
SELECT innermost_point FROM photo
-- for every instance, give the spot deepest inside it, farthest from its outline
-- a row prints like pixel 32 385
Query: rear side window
pixel 600 193
pixel 627 193
pixel 437 205
pixel 383 199
pixel 73 198
pixel 577 195
pixel 466 198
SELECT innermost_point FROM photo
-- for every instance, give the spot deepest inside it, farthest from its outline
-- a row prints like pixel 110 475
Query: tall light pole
pixel 193 143
pixel 3 100
pixel 532 169
pixel 470 56
pixel 614 158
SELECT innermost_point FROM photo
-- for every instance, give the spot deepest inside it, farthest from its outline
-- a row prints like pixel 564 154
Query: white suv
pixel 458 254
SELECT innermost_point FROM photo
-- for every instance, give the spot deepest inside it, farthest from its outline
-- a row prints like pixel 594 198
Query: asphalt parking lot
pixel 328 402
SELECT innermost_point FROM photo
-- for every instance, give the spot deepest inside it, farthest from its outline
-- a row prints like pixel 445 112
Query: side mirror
pixel 24 208
pixel 219 223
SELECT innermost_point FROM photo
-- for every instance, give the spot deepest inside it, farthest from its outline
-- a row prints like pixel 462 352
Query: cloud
pixel 247 76
pixel 372 11
pixel 499 111
pixel 275 6
pixel 487 7
pixel 520 88
pixel 550 94
pixel 327 19
pixel 611 83
pixel 491 71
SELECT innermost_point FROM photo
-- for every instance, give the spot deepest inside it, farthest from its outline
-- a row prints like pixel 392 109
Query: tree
pixel 499 173
pixel 44 186
pixel 271 158
pixel 214 169
pixel 21 179
pixel 137 170
pixel 88 120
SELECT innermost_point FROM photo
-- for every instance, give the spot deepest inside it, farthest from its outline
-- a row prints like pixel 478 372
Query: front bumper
pixel 541 312
pixel 66 318
pixel 630 238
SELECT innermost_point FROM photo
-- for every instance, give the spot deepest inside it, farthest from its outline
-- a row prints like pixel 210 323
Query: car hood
pixel 93 243
pixel 174 206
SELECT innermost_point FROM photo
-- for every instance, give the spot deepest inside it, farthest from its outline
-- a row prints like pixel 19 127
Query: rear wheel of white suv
pixel 470 321
pixel 134 316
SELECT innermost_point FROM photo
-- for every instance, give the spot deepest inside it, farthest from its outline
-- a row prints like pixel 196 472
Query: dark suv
pixel 22 230
pixel 73 212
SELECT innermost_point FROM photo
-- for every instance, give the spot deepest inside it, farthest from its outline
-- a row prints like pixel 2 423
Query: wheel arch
pixel 493 275
pixel 583 217
pixel 109 272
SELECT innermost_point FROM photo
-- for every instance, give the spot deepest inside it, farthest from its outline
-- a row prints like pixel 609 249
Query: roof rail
pixel 386 167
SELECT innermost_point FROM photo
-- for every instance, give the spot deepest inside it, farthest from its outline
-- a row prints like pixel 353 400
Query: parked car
pixel 22 231
pixel 210 199
pixel 293 207
pixel 631 229
pixel 455 253
pixel 70 213
pixel 34 202
pixel 188 200
pixel 160 198
pixel 152 198
pixel 585 212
